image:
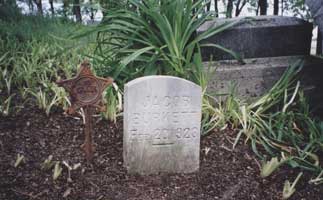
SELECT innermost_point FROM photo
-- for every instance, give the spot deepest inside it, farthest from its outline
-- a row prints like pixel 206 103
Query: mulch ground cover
pixel 224 173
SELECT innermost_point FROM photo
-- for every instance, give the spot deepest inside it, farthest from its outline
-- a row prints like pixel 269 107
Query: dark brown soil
pixel 224 173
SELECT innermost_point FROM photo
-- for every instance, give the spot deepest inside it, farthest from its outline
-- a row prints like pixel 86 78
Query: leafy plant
pixel 19 160
pixel 289 188
pixel 318 179
pixel 57 170
pixel 113 98
pixel 48 163
pixel 70 168
pixel 154 38
pixel 7 76
pixel 270 166
pixel 5 105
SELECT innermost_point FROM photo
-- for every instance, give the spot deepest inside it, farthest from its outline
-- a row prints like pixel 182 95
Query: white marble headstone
pixel 162 119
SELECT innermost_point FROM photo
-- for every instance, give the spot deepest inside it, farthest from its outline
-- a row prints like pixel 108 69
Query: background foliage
pixel 138 38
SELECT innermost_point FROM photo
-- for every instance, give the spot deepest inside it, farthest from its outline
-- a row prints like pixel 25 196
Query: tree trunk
pixel 51 2
pixel 77 10
pixel 319 43
pixel 282 7
pixel 263 7
pixel 91 11
pixel 30 6
pixel 239 8
pixel 216 10
pixel 104 7
pixel 208 7
pixel 257 11
pixel 276 7
pixel 39 6
pixel 65 7
pixel 229 9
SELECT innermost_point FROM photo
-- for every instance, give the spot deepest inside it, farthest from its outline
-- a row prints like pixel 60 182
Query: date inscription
pixel 164 136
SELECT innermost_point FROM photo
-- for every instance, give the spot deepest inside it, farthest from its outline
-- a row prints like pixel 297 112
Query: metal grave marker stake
pixel 85 91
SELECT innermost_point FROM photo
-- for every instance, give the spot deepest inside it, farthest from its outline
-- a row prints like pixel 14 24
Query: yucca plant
pixel 154 37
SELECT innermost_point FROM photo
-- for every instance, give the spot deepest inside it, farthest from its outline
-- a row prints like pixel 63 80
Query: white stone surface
pixel 162 119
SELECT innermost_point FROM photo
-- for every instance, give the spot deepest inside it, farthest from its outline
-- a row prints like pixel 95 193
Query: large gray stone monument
pixel 162 119
pixel 262 36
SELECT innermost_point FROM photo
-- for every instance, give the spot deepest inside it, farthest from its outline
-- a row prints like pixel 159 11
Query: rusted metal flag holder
pixel 85 91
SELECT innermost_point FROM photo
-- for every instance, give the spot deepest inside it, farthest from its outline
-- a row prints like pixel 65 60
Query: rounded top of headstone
pixel 159 77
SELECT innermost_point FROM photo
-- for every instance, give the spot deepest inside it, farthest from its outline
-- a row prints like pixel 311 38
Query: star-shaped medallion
pixel 85 89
